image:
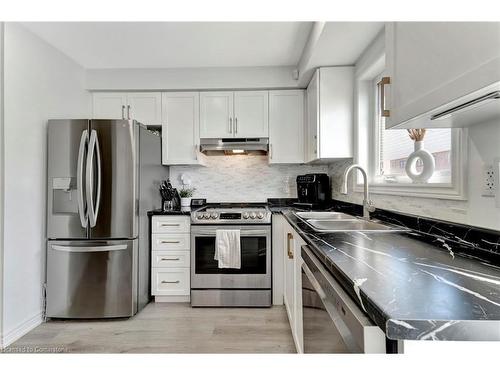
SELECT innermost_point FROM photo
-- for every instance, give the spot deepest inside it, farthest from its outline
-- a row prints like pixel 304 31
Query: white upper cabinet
pixel 251 114
pixel 330 95
pixel 432 63
pixel 312 124
pixel 286 126
pixel 109 105
pixel 216 114
pixel 180 128
pixel 144 107
pixel 228 114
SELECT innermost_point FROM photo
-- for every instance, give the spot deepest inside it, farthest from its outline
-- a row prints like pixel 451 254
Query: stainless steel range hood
pixel 234 146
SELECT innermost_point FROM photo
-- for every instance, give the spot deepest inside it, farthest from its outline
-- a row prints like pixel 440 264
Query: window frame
pixel 366 111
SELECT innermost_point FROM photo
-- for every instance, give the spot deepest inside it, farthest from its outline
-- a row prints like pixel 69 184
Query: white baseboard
pixel 172 298
pixel 22 329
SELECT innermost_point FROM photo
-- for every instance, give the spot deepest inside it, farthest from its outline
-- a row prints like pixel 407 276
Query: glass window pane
pixel 396 145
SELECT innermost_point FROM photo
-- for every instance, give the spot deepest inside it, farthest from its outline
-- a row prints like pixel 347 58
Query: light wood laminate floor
pixel 168 328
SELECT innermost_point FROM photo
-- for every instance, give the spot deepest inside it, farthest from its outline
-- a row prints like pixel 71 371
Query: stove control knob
pixel 214 215
pixel 252 215
pixel 199 216
pixel 206 216
pixel 260 215
pixel 245 215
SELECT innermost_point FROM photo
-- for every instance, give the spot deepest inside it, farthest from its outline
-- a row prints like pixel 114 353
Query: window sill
pixel 436 191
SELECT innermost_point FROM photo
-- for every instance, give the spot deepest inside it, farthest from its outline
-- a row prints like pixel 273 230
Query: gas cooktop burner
pixel 232 213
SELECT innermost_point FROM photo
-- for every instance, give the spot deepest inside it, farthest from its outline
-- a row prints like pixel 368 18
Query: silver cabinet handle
pixel 170 282
pixel 91 206
pixel 170 258
pixel 235 125
pixel 84 140
pixel 169 225
pixel 88 249
pixel 270 151
pixel 128 112
pixel 123 112
pixel 230 125
pixel 165 241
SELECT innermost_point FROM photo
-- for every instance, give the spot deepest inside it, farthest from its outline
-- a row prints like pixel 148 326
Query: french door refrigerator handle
pixel 93 207
pixel 79 179
pixel 99 177
pixel 86 249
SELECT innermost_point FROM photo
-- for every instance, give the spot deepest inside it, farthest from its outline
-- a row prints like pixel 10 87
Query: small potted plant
pixel 186 193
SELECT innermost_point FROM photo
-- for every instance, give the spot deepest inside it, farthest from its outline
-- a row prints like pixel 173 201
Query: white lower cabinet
pixel 171 281
pixel 292 295
pixel 170 258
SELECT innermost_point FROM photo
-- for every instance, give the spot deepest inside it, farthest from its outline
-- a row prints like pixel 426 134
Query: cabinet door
pixel 286 126
pixel 251 114
pixel 144 107
pixel 289 271
pixel 180 128
pixel 279 253
pixel 312 118
pixel 432 63
pixel 109 105
pixel 336 106
pixel 299 331
pixel 216 114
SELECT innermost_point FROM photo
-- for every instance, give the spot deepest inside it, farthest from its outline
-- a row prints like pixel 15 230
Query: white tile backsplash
pixel 242 178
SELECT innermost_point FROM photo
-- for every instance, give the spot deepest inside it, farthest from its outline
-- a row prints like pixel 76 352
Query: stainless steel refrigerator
pixel 101 176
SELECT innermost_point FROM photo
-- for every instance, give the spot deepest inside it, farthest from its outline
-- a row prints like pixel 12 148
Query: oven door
pixel 255 271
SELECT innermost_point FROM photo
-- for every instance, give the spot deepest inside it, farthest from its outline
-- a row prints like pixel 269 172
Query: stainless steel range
pixel 249 285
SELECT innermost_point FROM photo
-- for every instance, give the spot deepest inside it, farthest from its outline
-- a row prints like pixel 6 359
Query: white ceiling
pixel 102 45
pixel 342 43
pixel 176 44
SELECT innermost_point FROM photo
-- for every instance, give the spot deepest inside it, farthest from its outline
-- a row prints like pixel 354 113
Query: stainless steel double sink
pixel 340 222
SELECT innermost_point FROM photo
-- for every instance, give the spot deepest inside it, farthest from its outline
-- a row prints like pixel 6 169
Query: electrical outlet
pixel 489 181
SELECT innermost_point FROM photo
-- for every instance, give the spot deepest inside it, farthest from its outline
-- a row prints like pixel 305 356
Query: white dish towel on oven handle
pixel 228 248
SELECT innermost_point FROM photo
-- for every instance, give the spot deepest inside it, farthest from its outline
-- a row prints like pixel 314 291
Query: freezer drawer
pixel 91 279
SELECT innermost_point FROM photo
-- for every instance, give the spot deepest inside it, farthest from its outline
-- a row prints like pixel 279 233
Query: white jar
pixel 428 164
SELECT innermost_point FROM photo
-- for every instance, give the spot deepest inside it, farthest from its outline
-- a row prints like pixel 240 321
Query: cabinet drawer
pixel 170 242
pixel 170 224
pixel 170 281
pixel 170 259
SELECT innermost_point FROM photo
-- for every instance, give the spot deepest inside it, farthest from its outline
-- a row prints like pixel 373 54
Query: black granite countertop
pixel 181 211
pixel 411 289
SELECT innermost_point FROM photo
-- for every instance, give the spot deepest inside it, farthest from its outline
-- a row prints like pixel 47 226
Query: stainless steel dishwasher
pixel 332 322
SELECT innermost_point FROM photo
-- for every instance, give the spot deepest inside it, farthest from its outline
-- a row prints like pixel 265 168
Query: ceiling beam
pixel 305 67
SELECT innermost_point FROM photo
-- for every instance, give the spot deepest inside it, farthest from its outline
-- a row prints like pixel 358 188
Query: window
pixel 384 152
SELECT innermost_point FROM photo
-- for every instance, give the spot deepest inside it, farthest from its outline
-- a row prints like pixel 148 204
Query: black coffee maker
pixel 313 190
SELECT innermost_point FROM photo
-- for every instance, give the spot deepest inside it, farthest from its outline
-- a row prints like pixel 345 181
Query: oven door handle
pixel 243 232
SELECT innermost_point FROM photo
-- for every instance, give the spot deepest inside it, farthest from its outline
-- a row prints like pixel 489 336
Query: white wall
pixel 40 83
pixel 243 178
pixel 191 78
pixel 1 183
